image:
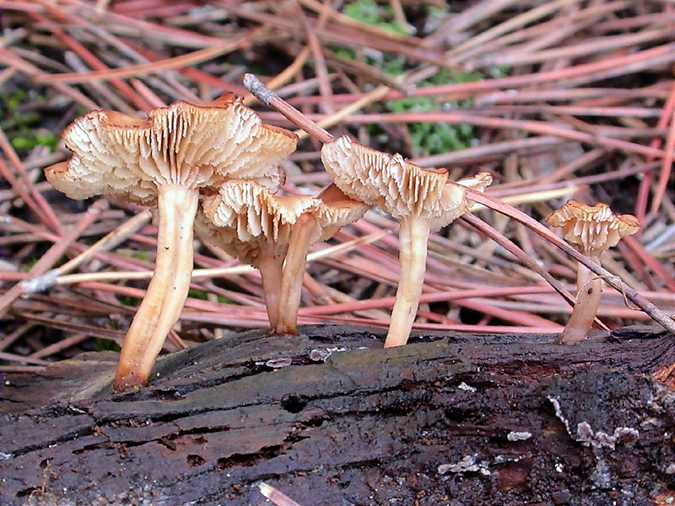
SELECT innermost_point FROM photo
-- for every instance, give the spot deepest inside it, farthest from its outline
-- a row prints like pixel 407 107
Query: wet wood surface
pixel 330 418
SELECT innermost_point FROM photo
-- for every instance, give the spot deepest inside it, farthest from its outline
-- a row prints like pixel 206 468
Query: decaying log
pixel 330 418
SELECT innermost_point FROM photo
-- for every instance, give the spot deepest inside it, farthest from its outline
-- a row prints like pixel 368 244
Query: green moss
pixel 21 126
pixel 370 13
pixel 106 345
pixel 28 265
pixel 127 301
pixel 144 256
pixel 435 138
pixel 198 294
pixel 344 53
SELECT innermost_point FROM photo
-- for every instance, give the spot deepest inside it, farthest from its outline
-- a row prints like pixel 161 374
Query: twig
pixel 55 252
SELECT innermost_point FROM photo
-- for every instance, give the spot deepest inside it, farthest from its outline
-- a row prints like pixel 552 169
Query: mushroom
pixel 318 223
pixel 163 160
pixel 421 199
pixel 591 230
pixel 254 225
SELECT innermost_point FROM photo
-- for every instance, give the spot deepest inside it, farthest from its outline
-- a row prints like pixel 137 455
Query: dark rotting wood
pixel 330 418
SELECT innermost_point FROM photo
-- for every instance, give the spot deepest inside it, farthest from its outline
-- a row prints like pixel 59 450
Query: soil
pixel 329 418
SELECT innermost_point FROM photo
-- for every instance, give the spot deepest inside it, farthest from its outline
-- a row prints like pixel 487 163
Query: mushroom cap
pixel 592 229
pixel 187 144
pixel 243 216
pixel 396 186
pixel 337 210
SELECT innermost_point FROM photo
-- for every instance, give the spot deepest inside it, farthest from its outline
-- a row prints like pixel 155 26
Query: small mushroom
pixel 591 230
pixel 163 160
pixel 333 211
pixel 254 225
pixel 421 199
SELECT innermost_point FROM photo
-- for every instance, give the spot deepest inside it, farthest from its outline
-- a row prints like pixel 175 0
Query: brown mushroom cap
pixel 398 187
pixel 183 144
pixel 336 211
pixel 592 229
pixel 244 215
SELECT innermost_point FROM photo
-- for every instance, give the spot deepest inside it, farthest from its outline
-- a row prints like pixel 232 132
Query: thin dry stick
pixel 11 357
pixel 16 334
pixel 468 17
pixel 142 69
pixel 319 61
pixel 46 210
pixel 666 168
pixel 329 252
pixel 110 241
pixel 55 252
pixel 511 24
pixel 271 99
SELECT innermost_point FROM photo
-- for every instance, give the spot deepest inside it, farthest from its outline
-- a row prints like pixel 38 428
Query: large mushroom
pixel 421 199
pixel 254 225
pixel 333 211
pixel 592 230
pixel 163 160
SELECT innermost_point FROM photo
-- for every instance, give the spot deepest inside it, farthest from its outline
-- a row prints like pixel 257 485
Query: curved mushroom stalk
pixel 304 231
pixel 167 291
pixel 270 264
pixel 589 290
pixel 413 236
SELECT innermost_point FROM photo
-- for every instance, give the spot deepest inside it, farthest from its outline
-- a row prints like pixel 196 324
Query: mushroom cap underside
pixel 244 216
pixel 187 144
pixel 337 210
pixel 228 239
pixel 396 186
pixel 592 229
pixel 247 215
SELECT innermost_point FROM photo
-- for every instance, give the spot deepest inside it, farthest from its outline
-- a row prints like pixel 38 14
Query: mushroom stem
pixel 589 290
pixel 413 236
pixel 167 291
pixel 270 266
pixel 294 269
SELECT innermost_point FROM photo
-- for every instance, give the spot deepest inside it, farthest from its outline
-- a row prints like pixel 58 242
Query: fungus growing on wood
pixel 253 225
pixel 592 230
pixel 421 199
pixel 162 161
pixel 333 210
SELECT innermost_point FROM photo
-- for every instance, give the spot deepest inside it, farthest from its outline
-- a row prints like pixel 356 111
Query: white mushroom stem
pixel 294 269
pixel 589 290
pixel 413 236
pixel 270 266
pixel 167 291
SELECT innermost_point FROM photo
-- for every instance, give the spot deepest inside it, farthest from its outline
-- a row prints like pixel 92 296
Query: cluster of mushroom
pixel 222 156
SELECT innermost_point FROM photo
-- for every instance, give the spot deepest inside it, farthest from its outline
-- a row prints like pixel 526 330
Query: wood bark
pixel 330 418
